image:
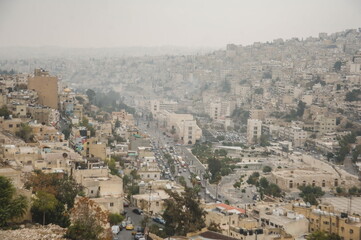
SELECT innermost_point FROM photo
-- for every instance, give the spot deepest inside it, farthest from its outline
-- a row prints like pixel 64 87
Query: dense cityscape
pixel 258 141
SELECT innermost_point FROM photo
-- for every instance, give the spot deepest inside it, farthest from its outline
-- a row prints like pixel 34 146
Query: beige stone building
pixel 46 86
pixel 151 202
pixel 94 148
pixel 324 218
pixel 11 125
pixel 102 187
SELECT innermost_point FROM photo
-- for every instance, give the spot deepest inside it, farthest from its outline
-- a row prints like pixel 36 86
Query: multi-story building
pixel 323 124
pixel 254 130
pixel 46 86
pixel 324 218
pixel 102 187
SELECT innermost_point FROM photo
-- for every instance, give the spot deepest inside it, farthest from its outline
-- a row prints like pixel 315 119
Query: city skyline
pixel 91 24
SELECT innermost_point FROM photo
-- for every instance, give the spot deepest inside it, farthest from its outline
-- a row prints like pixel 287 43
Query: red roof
pixel 229 208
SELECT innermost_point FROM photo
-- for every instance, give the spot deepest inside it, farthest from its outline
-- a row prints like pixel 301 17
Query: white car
pixel 115 229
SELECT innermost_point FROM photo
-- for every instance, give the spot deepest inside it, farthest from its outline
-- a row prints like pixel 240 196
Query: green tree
pixel 183 213
pixel 87 222
pixel 214 166
pixel 115 218
pixel 44 202
pixel 182 181
pixel 301 108
pixel 264 140
pixel 354 95
pixel 356 153
pixel 319 235
pixel 214 227
pixel 266 169
pixel 12 206
pixel 337 66
pixel 25 132
pixel 344 149
pixel 253 179
pixel 5 112
pixel 311 193
pixel 258 91
pixel 91 95
pixel 329 156
pixel 117 124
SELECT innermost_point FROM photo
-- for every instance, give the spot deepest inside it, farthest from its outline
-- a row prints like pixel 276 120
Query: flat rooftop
pixel 342 204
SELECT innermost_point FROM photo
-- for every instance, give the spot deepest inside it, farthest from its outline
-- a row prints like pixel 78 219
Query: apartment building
pixel 324 218
pixel 102 187
pixel 254 130
pixel 46 87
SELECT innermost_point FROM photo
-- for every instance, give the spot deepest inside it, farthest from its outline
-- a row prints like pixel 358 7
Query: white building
pixel 254 130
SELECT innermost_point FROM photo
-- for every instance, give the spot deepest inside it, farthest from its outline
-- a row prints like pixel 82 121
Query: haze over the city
pixel 188 23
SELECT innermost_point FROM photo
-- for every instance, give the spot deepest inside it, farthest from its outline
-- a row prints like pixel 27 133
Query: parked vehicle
pixel 159 220
pixel 138 235
pixel 124 224
pixel 115 229
pixel 137 211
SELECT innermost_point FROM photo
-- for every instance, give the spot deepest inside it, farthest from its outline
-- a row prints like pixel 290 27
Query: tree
pixel 11 205
pixel 91 95
pixel 88 221
pixel 269 189
pixel 44 202
pixel 258 91
pixel 267 169
pixel 214 227
pixel 117 123
pixel 319 235
pixel 64 188
pixel 25 132
pixel 214 166
pixel 182 181
pixel 301 108
pixel 253 179
pixel 183 213
pixel 344 149
pixel 311 193
pixel 115 218
pixel 264 140
pixel 354 95
pixel 337 66
pixel 329 156
pixel 5 112
pixel 356 153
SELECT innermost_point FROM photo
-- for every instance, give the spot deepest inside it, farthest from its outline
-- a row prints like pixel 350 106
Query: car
pixel 139 229
pixel 138 235
pixel 137 211
pixel 124 224
pixel 129 227
pixel 115 229
pixel 159 220
pixel 126 204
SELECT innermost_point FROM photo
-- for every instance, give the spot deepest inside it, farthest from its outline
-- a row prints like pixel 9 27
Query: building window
pixel 10 125
pixel 157 204
pixel 351 231
pixel 111 204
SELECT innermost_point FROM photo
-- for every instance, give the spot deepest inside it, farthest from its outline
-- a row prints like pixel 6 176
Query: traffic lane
pixel 136 221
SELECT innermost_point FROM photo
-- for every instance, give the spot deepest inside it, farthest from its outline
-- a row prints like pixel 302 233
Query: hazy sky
pixel 210 23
